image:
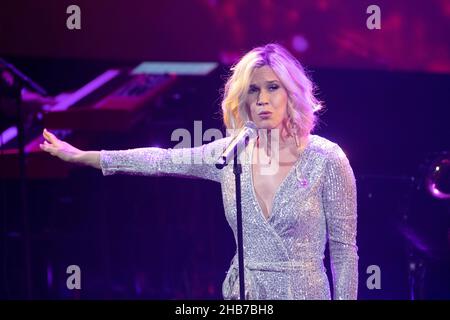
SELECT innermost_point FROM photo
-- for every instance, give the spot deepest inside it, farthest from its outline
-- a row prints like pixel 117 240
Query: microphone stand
pixel 237 170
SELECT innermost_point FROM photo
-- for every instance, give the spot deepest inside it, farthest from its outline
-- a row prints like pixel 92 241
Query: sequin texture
pixel 283 255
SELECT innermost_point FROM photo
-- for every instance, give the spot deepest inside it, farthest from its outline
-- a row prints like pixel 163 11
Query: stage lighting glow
pixel 438 178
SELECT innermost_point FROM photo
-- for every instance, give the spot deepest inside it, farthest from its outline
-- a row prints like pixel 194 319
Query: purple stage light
pixel 438 178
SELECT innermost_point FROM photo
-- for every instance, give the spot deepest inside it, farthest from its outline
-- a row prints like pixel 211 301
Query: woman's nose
pixel 262 99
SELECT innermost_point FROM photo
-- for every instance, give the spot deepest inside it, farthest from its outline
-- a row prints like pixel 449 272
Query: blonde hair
pixel 302 104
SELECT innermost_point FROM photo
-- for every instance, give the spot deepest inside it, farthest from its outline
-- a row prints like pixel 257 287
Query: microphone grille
pixel 252 127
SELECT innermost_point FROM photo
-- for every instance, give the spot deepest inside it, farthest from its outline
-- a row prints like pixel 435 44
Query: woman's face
pixel 267 99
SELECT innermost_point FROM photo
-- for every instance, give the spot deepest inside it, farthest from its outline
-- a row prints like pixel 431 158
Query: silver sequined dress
pixel 283 255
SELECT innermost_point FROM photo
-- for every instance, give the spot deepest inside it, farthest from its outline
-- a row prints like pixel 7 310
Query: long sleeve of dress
pixel 195 162
pixel 340 208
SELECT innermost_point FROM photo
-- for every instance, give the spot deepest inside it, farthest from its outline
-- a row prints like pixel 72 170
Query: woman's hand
pixel 59 148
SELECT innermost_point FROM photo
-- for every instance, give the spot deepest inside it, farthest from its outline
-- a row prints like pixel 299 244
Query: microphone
pixel 248 131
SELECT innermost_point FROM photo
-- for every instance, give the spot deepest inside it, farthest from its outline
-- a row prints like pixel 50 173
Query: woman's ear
pixel 290 101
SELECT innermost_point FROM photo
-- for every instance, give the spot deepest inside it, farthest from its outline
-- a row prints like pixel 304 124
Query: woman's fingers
pixel 47 147
pixel 45 135
pixel 50 136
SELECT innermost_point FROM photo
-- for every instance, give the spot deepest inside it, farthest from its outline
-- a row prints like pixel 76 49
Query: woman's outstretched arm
pixel 197 162
pixel 69 153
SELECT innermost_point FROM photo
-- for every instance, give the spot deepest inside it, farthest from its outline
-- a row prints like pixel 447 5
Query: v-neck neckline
pixel 277 191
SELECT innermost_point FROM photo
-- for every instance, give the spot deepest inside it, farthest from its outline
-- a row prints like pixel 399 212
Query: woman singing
pixel 289 213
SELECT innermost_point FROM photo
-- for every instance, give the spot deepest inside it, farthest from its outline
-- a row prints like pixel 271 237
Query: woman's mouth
pixel 265 114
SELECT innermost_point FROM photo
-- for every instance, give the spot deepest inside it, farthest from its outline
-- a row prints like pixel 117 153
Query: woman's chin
pixel 266 125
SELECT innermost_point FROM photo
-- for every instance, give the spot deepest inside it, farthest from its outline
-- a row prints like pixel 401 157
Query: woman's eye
pixel 252 90
pixel 273 88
